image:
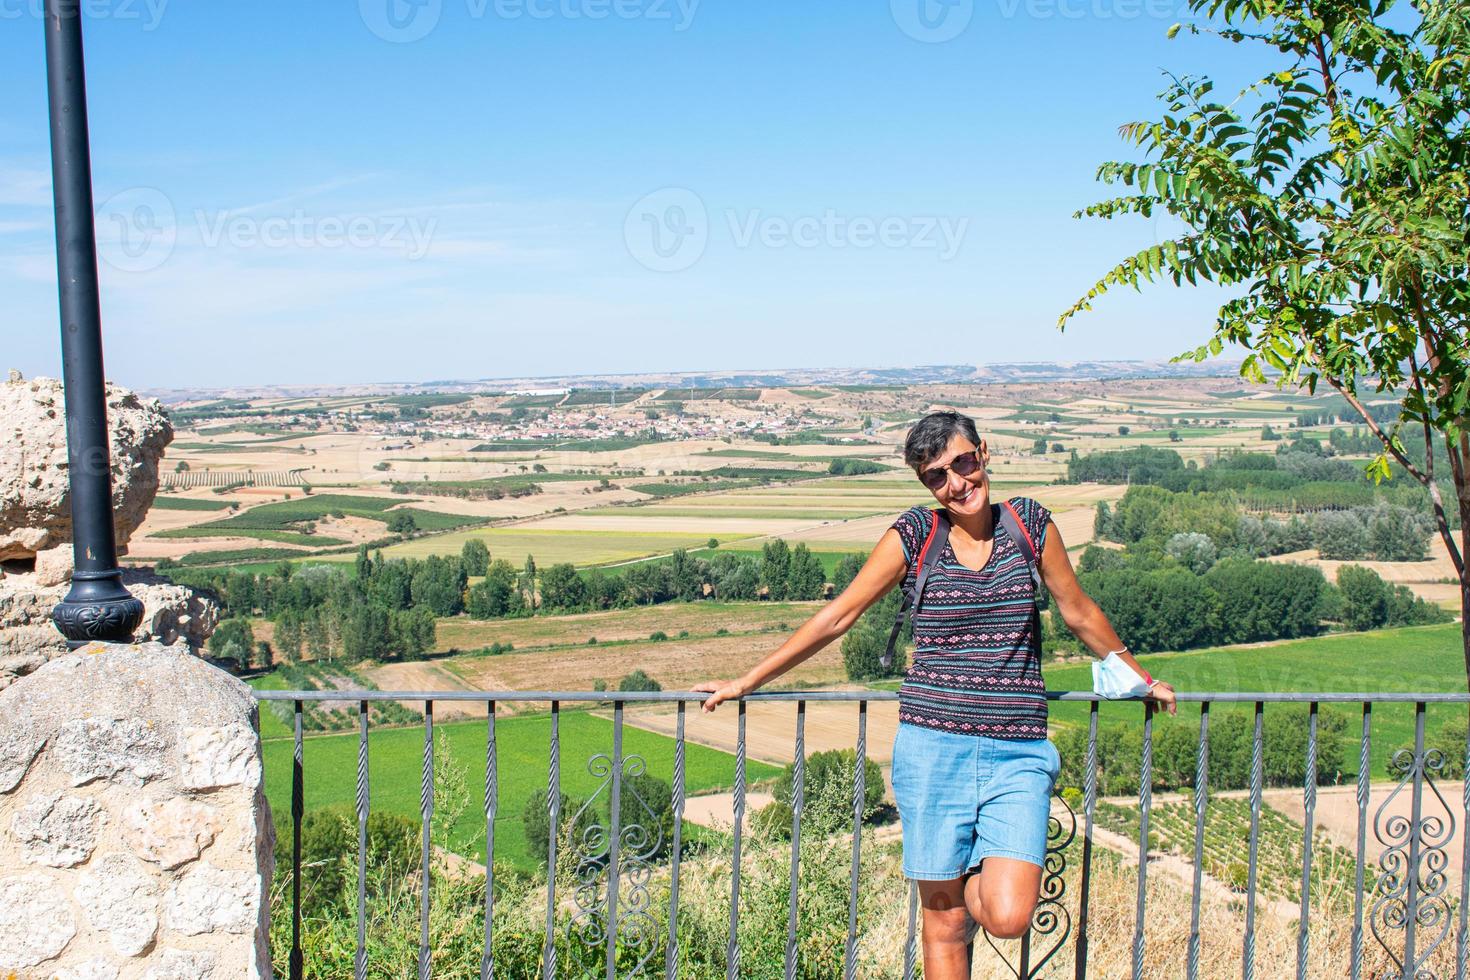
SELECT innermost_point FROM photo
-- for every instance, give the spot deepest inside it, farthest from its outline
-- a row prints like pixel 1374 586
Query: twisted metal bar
pixel 553 809
pixel 1089 804
pixel 492 806
pixel 671 955
pixel 298 807
pixel 1248 954
pixel 1461 936
pixel 732 947
pixel 615 818
pixel 426 813
pixel 859 803
pixel 910 943
pixel 1356 955
pixel 1145 804
pixel 1201 803
pixel 798 798
pixel 359 961
pixel 1309 806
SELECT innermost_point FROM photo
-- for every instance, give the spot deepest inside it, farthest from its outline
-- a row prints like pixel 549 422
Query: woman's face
pixel 969 494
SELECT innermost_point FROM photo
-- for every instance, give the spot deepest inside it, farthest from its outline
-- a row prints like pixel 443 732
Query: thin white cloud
pixel 24 186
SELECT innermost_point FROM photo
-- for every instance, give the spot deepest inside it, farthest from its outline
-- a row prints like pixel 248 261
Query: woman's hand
pixel 721 691
pixel 1161 694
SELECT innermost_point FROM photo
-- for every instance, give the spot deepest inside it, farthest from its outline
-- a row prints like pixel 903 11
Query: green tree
pixel 402 522
pixel 527 584
pixel 638 681
pixel 863 645
pixel 1364 597
pixel 234 640
pixel 475 557
pixel 847 569
pixel 775 567
pixel 562 587
pixel 805 577
pixel 1329 199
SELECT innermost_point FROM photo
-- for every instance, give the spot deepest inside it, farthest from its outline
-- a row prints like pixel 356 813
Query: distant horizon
pixel 1000 372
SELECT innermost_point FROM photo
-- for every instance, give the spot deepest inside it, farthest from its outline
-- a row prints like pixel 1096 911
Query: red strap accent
pixel 928 539
pixel 1022 525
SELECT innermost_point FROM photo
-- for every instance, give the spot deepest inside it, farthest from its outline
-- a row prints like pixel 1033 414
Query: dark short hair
pixel 930 436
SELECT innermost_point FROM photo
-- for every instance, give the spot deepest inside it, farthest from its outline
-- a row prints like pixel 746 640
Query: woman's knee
pixel 1006 917
pixel 946 925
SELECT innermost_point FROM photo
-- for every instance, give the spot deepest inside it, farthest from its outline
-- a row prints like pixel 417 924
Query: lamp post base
pixel 98 607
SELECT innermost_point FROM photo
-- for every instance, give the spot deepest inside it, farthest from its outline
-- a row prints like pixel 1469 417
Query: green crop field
pixel 164 502
pixel 279 521
pixel 1421 659
pixel 581 548
pixel 522 746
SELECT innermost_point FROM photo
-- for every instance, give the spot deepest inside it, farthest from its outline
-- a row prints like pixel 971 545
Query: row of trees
pixel 1164 602
pixel 1152 517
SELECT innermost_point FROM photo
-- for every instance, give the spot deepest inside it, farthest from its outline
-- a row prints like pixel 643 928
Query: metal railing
pixel 1409 918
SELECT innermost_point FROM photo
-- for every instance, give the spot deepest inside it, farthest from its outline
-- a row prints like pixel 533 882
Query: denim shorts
pixel 962 798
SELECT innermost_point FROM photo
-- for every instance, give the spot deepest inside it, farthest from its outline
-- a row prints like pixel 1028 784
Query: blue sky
pixel 377 190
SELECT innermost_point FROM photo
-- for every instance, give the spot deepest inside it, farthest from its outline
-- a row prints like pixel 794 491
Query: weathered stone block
pixel 224 755
pixel 57 830
pixel 121 900
pixel 94 969
pixel 207 899
pixel 171 832
pixel 36 921
pixel 176 964
pixel 123 749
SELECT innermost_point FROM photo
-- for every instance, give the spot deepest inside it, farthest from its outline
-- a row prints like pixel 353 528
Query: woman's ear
pixel 984 452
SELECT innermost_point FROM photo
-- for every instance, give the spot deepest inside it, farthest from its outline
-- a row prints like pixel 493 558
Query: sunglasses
pixel 963 464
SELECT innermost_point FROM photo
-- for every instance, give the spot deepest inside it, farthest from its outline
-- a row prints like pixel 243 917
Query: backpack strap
pixel 928 556
pixel 1010 519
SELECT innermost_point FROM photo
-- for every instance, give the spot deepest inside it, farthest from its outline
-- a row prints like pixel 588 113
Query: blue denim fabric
pixel 966 797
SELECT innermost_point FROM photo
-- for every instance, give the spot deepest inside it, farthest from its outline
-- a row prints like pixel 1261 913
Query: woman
pixel 973 769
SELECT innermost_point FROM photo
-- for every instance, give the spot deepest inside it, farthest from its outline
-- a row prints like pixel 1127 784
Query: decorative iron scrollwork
pixel 637 846
pixel 1051 918
pixel 1412 884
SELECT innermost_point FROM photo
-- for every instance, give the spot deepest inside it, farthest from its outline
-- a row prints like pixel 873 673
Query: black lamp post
pixel 98 607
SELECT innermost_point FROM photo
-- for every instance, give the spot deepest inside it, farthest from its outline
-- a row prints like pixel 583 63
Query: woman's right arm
pixel 883 570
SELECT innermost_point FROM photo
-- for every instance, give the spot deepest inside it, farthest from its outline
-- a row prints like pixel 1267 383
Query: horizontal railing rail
pixel 1407 910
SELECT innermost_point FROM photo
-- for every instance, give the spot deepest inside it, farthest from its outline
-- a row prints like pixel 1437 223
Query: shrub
pixel 827 794
pixel 639 681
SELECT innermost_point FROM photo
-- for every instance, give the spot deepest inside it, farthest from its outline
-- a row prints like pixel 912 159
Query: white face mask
pixel 1112 678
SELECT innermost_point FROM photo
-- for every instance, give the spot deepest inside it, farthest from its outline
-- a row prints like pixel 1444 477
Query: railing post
pixel 1248 954
pixel 1145 804
pixel 732 947
pixel 1356 955
pixel 1201 802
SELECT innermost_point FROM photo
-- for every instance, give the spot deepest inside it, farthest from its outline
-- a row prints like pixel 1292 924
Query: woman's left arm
pixel 1083 616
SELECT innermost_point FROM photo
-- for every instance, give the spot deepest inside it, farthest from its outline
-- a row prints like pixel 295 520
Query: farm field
pixel 522 744
pixel 550 545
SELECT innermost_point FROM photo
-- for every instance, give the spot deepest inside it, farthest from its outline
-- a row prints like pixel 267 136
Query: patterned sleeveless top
pixel 977 660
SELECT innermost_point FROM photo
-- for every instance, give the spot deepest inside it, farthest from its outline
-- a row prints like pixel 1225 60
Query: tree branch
pixel 1373 425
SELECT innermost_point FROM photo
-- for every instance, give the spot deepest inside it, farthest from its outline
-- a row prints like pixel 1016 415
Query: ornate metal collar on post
pixel 98 607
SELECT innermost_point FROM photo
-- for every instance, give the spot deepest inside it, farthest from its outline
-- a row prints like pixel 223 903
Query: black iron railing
pixel 1408 911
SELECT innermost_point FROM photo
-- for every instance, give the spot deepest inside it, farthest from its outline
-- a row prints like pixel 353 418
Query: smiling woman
pixel 973 769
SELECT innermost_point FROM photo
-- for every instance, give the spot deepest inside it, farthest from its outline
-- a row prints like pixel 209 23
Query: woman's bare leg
pixel 1002 895
pixel 946 956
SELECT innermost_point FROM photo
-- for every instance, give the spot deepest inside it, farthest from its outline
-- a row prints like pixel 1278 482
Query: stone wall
pixel 135 839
